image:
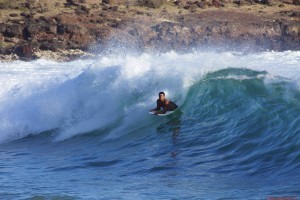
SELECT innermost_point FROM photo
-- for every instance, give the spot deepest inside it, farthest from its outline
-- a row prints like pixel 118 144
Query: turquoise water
pixel 81 129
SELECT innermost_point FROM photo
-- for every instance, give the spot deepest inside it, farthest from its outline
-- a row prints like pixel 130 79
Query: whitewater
pixel 81 129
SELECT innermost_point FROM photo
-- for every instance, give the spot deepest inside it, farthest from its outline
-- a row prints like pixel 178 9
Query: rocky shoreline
pixel 66 30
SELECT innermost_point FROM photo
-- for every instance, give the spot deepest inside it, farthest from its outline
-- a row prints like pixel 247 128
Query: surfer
pixel 163 105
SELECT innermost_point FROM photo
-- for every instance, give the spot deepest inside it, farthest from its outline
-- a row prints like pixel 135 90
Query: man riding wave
pixel 163 105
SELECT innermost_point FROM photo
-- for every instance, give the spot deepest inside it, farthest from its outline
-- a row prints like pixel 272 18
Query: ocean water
pixel 81 129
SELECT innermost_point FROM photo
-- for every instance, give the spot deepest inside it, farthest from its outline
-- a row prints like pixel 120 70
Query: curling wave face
pixel 82 96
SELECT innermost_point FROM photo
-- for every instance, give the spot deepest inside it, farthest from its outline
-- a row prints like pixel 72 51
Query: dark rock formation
pixel 13 30
pixel 154 3
pixel 25 51
pixel 159 29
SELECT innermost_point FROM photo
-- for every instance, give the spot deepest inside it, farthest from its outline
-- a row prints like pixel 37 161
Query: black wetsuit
pixel 161 105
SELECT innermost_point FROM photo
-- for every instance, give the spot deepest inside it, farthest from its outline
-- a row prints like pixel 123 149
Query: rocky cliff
pixel 28 27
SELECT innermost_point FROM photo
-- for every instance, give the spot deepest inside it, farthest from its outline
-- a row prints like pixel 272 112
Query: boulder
pixel 239 2
pixel 200 4
pixel 51 28
pixel 268 2
pixel 13 15
pixel 24 14
pixel 70 28
pixel 30 31
pixel 154 3
pixel 52 45
pixel 2 50
pixel 13 30
pixel 296 2
pixel 25 51
pixel 288 1
pixel 216 3
pixel 2 27
pixel 82 9
pixel 12 40
pixel 61 29
pixel 111 2
pixel 1 39
pixel 4 6
pixel 76 2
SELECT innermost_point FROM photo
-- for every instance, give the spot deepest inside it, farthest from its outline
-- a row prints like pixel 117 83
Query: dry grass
pixel 168 11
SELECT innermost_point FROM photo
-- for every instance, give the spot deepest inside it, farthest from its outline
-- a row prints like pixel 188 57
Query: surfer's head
pixel 161 96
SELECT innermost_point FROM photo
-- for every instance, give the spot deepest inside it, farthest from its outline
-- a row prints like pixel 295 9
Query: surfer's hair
pixel 161 93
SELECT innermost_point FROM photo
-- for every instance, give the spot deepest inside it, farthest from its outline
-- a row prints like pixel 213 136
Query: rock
pixel 296 2
pixel 24 14
pixel 25 51
pixel 13 15
pixel 58 19
pixel 288 1
pixel 85 8
pixel 51 28
pixel 1 39
pixel 114 8
pixel 53 45
pixel 72 45
pixel 140 13
pixel 30 31
pixel 12 40
pixel 61 29
pixel 13 30
pixel 295 14
pixel 216 3
pixel 187 6
pixel 111 2
pixel 44 45
pixel 200 4
pixel 3 6
pixel 192 6
pixel 293 29
pixel 268 2
pixel 76 2
pixel 239 2
pixel 70 28
pixel 154 3
pixel 43 8
pixel 2 28
pixel 2 51
pixel 82 9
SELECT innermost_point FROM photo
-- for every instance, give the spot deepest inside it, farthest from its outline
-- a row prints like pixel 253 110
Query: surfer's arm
pixel 155 109
pixel 158 106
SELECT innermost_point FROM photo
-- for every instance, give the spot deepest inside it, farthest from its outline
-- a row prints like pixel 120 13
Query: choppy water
pixel 81 130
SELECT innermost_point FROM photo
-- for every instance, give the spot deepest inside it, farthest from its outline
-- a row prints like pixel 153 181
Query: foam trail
pixel 85 95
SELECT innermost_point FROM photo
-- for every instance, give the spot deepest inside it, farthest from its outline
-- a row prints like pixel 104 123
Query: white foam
pixel 81 96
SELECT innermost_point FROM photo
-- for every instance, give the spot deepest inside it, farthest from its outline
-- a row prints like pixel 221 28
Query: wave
pixel 113 93
pixel 246 120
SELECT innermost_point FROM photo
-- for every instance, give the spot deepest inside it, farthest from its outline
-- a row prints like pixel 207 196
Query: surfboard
pixel 165 114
